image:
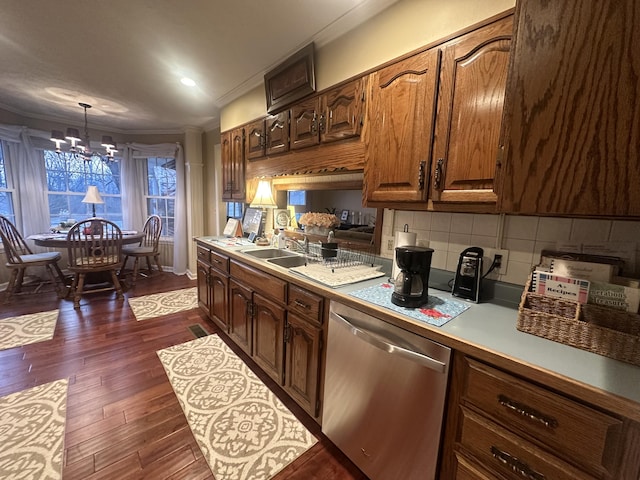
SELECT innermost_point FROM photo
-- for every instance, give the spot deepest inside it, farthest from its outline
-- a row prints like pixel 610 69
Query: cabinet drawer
pixel 259 281
pixel 510 455
pixel 574 431
pixel 305 303
pixel 220 262
pixel 204 254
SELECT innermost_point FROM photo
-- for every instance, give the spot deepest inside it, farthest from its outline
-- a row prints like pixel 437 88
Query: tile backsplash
pixel 523 236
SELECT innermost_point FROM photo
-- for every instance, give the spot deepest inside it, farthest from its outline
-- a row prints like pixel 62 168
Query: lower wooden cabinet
pixel 268 336
pixel 302 364
pixel 240 316
pixel 503 426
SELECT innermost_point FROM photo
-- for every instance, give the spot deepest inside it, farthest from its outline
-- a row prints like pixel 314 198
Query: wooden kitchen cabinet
pixel 334 115
pixel 417 152
pixel 277 133
pixel 571 146
pixel 213 281
pixel 257 316
pixel 503 426
pixel 473 77
pixel 241 316
pixel 268 336
pixel 400 122
pixel 232 153
pixel 255 139
pixel 303 337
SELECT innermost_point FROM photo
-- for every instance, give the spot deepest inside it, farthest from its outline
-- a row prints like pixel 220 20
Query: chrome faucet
pixel 304 247
pixel 330 236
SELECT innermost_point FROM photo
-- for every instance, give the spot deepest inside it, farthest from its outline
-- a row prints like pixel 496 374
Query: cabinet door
pixel 304 124
pixel 240 319
pixel 342 109
pixel 218 290
pixel 255 140
pixel 473 77
pixel 302 375
pixel 400 120
pixel 203 287
pixel 232 153
pixel 572 106
pixel 277 131
pixel 268 336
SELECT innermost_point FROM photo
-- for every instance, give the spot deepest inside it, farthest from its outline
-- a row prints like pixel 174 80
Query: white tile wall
pixel 523 236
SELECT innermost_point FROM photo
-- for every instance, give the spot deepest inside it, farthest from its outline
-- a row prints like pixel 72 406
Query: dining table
pixel 59 240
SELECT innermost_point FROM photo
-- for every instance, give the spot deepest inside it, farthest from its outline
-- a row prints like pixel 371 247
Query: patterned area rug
pixel 25 329
pixel 242 428
pixel 32 432
pixel 158 304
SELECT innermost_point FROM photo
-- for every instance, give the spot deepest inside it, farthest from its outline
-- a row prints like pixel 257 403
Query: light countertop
pixel 489 331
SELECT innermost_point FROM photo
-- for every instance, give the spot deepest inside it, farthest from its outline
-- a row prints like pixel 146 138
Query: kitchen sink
pixel 269 253
pixel 288 262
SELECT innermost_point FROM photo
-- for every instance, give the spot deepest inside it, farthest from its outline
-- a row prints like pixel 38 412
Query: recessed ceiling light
pixel 188 82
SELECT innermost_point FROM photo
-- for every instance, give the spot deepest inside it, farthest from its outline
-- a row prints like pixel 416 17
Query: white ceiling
pixel 126 57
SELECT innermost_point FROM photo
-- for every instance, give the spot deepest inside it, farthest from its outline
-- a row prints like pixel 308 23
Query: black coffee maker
pixel 412 283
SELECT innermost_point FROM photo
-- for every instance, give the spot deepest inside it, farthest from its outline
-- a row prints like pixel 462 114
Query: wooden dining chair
pixel 95 249
pixel 20 257
pixel 148 247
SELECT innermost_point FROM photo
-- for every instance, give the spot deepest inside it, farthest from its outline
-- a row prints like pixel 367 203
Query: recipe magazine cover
pixel 621 294
pixel 557 286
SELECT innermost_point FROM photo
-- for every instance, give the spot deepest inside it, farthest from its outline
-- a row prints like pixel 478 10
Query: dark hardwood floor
pixel 123 419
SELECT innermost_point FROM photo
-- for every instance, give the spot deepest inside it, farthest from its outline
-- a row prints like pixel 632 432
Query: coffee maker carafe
pixel 412 283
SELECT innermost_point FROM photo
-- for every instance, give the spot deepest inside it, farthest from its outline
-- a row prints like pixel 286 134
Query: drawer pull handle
pixel 527 412
pixel 302 304
pixel 516 465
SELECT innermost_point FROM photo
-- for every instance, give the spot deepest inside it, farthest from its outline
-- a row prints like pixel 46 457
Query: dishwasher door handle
pixel 371 339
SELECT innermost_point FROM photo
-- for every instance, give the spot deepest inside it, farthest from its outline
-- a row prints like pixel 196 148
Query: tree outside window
pixel 161 191
pixel 69 176
pixel 6 190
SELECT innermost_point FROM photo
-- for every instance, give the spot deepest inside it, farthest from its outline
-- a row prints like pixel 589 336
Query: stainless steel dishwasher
pixel 384 395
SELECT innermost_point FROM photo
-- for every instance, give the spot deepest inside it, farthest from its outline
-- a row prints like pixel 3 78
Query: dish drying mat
pixel 437 311
pixel 338 276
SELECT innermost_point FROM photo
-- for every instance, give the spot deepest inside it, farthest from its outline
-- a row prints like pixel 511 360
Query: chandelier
pixel 82 147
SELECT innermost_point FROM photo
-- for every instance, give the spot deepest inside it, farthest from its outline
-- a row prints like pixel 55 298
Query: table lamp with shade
pixel 93 197
pixel 263 199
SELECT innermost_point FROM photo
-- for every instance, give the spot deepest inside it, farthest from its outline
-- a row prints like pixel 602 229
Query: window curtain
pixel 133 189
pixel 28 177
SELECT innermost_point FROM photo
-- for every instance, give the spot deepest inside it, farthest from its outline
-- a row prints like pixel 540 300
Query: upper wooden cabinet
pixel 573 137
pixel 447 155
pixel 277 133
pixel 400 123
pixel 232 153
pixel 255 139
pixel 335 115
pixel 473 77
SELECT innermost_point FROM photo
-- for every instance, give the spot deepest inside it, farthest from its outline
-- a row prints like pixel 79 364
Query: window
pixel 161 191
pixel 235 210
pixel 6 191
pixel 67 180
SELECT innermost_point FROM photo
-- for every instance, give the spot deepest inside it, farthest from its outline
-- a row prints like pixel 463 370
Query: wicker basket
pixel 600 330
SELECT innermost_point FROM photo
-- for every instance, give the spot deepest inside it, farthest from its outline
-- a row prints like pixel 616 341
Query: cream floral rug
pixel 25 329
pixel 242 428
pixel 32 432
pixel 158 304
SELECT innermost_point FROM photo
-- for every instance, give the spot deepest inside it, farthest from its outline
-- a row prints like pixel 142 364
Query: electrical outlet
pixel 390 244
pixel 489 256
